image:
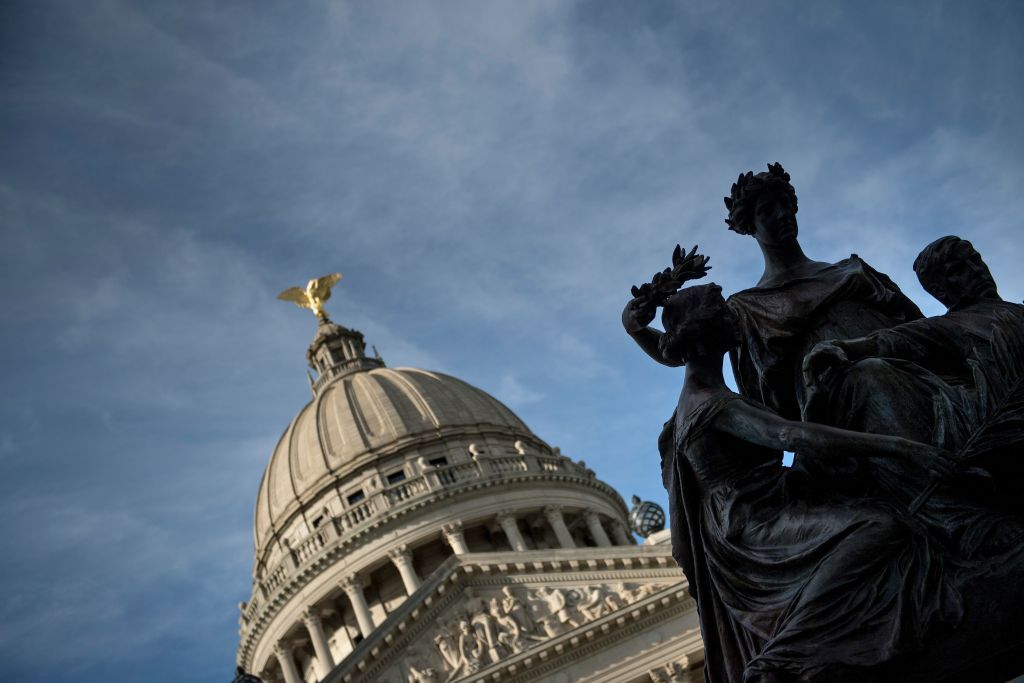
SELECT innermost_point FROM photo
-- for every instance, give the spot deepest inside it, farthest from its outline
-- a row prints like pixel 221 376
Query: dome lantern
pixel 337 351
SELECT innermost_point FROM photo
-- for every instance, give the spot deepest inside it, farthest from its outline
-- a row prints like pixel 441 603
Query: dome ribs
pixel 411 393
pixel 356 420
pixel 379 429
pixel 356 411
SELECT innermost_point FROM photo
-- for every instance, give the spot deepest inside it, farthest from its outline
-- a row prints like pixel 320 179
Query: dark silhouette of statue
pixel 952 271
pixel 949 364
pixel 894 549
pixel 796 304
pixel 778 579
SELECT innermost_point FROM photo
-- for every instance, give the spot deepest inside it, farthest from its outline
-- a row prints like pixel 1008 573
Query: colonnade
pixel 401 558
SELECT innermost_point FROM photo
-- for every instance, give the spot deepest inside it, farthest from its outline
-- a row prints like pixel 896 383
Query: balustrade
pixel 510 464
pixel 358 514
pixel 405 490
pixel 252 607
pixel 275 578
pixel 310 546
pixel 447 476
pixel 548 464
pixel 459 472
pixel 327 375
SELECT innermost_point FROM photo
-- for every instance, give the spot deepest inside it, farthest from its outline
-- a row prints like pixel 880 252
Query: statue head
pixel 763 205
pixel 697 323
pixel 952 271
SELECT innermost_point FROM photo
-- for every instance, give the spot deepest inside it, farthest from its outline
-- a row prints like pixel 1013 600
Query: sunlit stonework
pixel 410 528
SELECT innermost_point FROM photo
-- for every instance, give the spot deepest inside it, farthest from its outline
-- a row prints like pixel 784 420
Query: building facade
pixel 410 528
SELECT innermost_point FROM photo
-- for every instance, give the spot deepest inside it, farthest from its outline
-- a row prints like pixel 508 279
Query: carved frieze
pixel 489 624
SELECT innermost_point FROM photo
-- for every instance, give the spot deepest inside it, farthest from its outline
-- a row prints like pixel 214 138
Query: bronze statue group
pixel 893 548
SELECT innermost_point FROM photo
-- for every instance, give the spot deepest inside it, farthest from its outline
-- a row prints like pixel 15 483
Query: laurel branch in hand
pixel 685 266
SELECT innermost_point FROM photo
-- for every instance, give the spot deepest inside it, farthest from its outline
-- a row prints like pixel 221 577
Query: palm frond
pixel 993 413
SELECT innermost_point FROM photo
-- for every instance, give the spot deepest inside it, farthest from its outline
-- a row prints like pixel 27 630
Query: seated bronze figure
pixel 894 549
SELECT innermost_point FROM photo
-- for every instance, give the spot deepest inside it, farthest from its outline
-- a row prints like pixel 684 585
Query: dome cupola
pixel 337 351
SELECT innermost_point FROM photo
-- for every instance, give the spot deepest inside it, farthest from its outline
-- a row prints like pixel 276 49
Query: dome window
pixel 356 497
pixel 396 476
pixel 438 462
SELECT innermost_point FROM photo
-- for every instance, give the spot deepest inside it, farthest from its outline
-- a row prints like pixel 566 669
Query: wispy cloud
pixel 515 394
pixel 490 178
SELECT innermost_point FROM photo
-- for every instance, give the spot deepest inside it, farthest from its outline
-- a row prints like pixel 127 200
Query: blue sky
pixel 489 177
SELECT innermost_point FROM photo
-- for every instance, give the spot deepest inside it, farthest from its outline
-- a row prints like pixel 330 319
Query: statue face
pixel 774 219
pixel 961 278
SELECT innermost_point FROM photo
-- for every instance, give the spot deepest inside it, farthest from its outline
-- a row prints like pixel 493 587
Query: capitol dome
pixel 369 416
pixel 384 483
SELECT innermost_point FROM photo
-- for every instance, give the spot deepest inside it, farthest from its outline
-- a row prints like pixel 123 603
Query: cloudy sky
pixel 490 178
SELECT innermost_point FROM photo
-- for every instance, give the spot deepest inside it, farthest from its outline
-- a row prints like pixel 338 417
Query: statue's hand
pixel 824 361
pixel 939 462
pixel 638 314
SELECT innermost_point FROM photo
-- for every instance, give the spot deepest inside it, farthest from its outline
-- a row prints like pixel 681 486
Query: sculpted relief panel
pixel 489 625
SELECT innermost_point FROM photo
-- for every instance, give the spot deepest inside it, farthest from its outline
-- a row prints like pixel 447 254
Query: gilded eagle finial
pixel 313 297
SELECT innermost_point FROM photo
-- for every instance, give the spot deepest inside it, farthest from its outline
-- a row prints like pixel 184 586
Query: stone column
pixel 553 513
pixel 596 530
pixel 453 534
pixel 511 529
pixel 315 626
pixel 620 533
pixel 355 595
pixel 284 658
pixel 402 559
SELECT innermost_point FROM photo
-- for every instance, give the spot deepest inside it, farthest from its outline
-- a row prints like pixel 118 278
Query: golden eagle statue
pixel 313 297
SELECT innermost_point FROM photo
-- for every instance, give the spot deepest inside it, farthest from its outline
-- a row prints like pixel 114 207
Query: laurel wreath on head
pixel 746 188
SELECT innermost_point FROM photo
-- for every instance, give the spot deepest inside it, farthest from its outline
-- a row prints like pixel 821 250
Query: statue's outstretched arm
pixel 636 319
pixel 643 307
pixel 764 428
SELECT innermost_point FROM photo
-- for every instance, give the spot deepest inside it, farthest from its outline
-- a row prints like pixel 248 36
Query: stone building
pixel 409 528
